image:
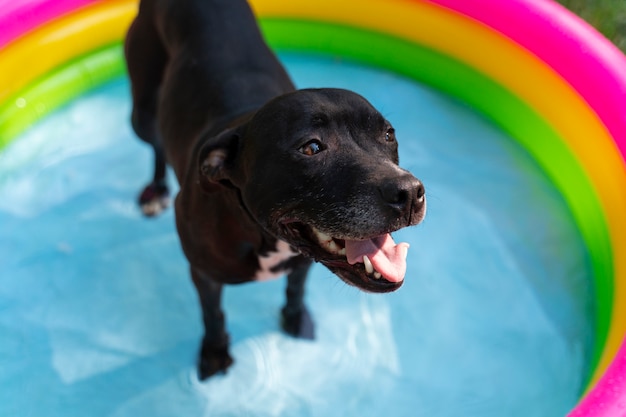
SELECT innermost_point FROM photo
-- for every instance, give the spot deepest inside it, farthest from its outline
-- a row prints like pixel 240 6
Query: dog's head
pixel 319 170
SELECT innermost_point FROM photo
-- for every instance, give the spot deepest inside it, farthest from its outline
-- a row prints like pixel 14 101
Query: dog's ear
pixel 217 160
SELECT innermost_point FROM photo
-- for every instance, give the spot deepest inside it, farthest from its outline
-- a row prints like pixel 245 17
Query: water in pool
pixel 99 317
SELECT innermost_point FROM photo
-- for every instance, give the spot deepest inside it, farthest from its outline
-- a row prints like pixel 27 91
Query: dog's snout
pixel 405 194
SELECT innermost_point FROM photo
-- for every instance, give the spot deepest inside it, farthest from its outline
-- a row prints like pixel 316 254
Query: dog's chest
pixel 269 265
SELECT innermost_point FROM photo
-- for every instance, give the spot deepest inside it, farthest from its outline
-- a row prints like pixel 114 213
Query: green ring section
pixel 58 87
pixel 411 60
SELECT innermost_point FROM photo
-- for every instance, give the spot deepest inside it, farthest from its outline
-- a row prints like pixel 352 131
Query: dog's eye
pixel 390 135
pixel 312 147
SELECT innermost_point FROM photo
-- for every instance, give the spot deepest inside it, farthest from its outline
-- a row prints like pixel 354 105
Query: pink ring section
pixel 21 16
pixel 608 398
pixel 596 69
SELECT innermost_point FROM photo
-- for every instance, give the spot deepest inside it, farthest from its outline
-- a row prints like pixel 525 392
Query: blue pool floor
pixel 98 316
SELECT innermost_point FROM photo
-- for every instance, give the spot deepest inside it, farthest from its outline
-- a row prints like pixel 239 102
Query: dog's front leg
pixel 214 357
pixel 296 320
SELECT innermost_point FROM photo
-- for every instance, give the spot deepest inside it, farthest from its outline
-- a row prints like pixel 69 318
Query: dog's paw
pixel 298 323
pixel 154 199
pixel 213 360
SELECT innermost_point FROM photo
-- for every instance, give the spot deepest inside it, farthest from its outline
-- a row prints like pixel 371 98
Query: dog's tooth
pixel 405 251
pixel 332 247
pixel 369 268
pixel 378 275
pixel 323 237
pixel 328 243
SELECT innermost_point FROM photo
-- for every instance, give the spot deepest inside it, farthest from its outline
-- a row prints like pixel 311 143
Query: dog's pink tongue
pixel 387 257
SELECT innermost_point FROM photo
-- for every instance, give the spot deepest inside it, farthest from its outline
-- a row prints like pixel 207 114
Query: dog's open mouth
pixel 376 264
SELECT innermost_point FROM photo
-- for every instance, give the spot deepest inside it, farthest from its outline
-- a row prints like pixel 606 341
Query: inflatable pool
pixel 558 89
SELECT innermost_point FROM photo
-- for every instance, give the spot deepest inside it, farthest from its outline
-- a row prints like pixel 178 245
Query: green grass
pixel 608 16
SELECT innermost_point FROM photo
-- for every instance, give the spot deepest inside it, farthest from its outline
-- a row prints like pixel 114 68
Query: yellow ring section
pixel 524 75
pixel 61 40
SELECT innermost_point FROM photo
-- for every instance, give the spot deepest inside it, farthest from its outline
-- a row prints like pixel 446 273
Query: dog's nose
pixel 404 194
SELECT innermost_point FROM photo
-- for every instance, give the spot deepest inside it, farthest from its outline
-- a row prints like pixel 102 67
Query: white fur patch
pixel 266 263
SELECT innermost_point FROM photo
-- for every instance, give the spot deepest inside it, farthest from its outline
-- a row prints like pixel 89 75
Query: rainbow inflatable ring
pixel 540 73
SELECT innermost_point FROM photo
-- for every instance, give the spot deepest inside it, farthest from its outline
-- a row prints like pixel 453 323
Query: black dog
pixel 271 178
